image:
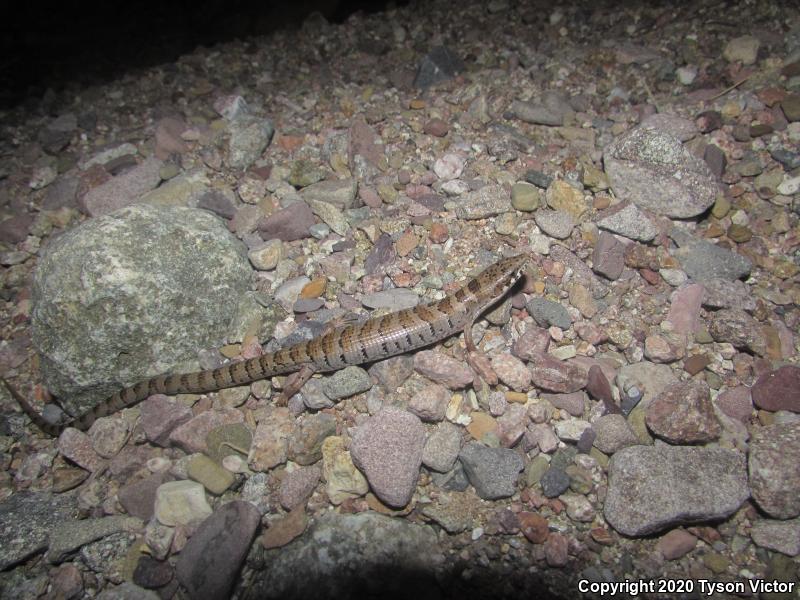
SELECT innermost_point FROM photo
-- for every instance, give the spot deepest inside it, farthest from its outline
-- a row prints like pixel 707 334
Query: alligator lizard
pixel 352 344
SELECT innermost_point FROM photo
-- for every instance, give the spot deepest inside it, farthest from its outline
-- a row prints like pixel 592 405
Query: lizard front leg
pixel 476 358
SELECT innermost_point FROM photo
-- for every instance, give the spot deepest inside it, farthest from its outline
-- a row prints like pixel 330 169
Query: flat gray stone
pixel 393 299
pixel 629 221
pixel 492 471
pixel 547 312
pixel 347 382
pixel 68 536
pixel 127 591
pixel 783 536
pixel 441 448
pixel 339 192
pixel 703 260
pixel 27 521
pixel 489 201
pixel 651 488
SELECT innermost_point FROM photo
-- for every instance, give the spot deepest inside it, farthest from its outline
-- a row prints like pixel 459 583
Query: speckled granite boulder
pixel 132 294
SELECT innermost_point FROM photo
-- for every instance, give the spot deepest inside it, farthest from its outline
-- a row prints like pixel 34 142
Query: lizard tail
pixel 38 420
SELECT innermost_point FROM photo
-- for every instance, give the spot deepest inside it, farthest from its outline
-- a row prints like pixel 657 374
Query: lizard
pixel 375 339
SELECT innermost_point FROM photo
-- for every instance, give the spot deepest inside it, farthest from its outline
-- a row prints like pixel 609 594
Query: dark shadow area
pixel 59 45
pixel 397 582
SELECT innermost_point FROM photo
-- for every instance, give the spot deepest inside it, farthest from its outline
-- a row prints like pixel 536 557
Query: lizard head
pixel 512 268
pixel 497 279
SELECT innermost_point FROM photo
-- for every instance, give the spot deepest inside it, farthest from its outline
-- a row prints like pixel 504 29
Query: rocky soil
pixel 643 434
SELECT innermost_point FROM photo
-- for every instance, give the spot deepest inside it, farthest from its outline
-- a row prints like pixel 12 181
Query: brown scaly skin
pixel 351 344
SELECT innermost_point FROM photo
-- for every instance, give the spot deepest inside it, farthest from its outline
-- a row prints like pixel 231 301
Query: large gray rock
pixel 655 488
pixel 133 294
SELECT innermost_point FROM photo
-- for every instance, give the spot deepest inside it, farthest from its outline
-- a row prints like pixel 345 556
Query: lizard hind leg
pixel 476 358
pixel 294 382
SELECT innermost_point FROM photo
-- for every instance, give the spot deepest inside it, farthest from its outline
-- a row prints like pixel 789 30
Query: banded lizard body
pixel 352 344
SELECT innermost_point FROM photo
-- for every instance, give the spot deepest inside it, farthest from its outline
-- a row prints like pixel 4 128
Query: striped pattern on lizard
pixel 371 340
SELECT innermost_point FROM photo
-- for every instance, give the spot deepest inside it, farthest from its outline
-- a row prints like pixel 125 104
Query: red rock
pixel 639 256
pixel 366 143
pixel 139 498
pixel 290 143
pixel 778 390
pixel 554 375
pixel 15 229
pixel 534 527
pixel 217 203
pixel 650 276
pixel 130 460
pixel 661 348
pixel 683 414
pixel 439 233
pixel 774 453
pixel 684 310
pixel 298 485
pixel 600 389
pixel 271 439
pixel 436 127
pixel 602 536
pixel 209 563
pixel 608 258
pixel 736 403
pixel 151 573
pixel 696 363
pixel 573 403
pixel 284 530
pixel 160 415
pixel 387 448
pixel 438 367
pixel 531 344
pixel 676 543
pixel 191 436
pixel 406 243
pixel 507 521
pixel 512 372
pixel 430 403
pixel 556 550
pixel 739 328
pixel 369 196
pixel 591 332
pixel 77 447
pixel 168 137
pixel 66 581
pixel 288 224
pixel 122 190
pixel 771 95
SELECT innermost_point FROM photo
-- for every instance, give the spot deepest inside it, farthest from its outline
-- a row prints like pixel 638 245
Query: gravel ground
pixel 643 436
